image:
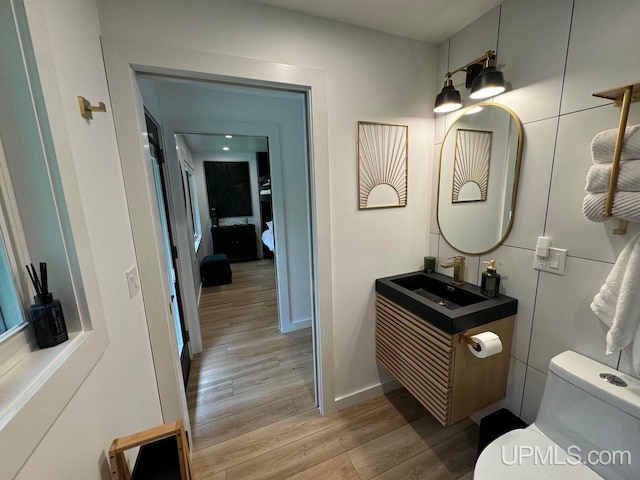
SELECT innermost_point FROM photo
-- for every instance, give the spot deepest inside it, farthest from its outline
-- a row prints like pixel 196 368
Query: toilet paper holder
pixel 466 338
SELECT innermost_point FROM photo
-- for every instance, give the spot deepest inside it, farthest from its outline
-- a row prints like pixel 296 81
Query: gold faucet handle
pixel 458 259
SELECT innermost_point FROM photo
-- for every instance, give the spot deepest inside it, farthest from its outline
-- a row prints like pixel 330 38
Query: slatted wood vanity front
pixel 437 367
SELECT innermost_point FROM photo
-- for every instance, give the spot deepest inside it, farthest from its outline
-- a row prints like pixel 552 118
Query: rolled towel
pixel 628 178
pixel 604 143
pixel 626 206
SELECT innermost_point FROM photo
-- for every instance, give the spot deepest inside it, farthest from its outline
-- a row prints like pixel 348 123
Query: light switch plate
pixel 133 281
pixel 554 263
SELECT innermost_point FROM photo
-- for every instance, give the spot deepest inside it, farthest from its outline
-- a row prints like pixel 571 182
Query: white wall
pixel 185 157
pixel 370 76
pixel 120 395
pixel 555 54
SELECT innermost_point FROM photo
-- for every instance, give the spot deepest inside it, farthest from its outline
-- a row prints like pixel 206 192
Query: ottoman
pixel 215 270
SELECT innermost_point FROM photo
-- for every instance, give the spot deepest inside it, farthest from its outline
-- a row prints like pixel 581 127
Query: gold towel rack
pixel 621 96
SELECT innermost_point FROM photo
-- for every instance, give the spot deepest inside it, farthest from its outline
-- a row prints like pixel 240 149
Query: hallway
pixel 249 374
pixel 252 405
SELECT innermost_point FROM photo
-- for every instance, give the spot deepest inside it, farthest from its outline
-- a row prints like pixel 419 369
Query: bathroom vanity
pixel 423 323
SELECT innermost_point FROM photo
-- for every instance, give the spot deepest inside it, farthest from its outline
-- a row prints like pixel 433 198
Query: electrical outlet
pixel 133 281
pixel 554 263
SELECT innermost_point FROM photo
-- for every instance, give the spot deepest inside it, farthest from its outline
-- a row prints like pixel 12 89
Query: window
pixel 11 312
pixel 15 337
pixel 37 384
pixel 193 205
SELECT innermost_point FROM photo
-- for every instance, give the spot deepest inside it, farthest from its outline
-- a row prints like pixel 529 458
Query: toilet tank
pixel 596 420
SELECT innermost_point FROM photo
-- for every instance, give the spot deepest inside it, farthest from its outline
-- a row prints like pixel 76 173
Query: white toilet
pixel 586 428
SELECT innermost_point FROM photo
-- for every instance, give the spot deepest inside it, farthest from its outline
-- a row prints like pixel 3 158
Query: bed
pixel 268 240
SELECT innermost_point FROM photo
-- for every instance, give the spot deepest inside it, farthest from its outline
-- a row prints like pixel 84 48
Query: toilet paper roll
pixel 489 343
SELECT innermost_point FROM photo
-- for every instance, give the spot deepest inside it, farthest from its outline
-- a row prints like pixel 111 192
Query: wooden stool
pixel 164 454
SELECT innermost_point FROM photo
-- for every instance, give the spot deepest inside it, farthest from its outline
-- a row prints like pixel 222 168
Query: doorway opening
pixel 255 334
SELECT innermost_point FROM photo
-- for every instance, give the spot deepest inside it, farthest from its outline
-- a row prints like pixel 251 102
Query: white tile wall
pixel 515 386
pixel 519 281
pixel 563 319
pixel 600 46
pixel 533 59
pixel 566 224
pixel 533 391
pixel 603 51
pixel 535 178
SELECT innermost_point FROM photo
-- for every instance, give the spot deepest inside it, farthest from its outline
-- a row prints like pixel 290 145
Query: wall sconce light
pixel 482 77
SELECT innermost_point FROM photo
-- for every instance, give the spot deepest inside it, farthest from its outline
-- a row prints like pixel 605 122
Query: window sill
pixel 14 346
pixel 19 383
pixel 37 389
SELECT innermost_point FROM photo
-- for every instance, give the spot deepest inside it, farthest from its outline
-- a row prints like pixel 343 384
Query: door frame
pixel 123 60
pixel 169 220
pixel 174 127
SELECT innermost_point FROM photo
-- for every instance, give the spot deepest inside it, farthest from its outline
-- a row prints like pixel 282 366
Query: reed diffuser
pixel 46 313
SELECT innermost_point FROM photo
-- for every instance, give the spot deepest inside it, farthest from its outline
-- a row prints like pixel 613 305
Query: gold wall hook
pixel 86 109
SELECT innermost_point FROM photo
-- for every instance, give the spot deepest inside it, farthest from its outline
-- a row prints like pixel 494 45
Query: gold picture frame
pixel 383 160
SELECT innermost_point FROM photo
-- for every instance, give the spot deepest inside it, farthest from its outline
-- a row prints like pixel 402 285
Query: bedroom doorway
pixel 126 61
pixel 249 197
pixel 232 175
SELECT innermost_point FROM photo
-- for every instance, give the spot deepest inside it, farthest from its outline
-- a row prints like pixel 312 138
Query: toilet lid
pixel 527 454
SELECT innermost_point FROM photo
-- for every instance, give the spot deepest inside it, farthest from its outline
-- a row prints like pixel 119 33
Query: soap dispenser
pixel 490 285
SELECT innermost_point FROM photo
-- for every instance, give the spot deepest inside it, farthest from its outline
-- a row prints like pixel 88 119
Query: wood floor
pixel 252 408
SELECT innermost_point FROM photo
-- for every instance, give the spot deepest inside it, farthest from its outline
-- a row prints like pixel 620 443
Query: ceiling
pixel 429 21
pixel 204 144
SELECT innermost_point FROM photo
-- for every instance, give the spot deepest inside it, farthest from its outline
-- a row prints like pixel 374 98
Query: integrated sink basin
pixel 434 298
pixel 444 294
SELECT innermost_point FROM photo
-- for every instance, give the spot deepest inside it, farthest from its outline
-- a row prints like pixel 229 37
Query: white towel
pixel 626 206
pixel 617 303
pixel 604 143
pixel 628 178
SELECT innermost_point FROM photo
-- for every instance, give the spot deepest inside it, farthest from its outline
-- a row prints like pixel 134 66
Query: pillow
pixel 270 225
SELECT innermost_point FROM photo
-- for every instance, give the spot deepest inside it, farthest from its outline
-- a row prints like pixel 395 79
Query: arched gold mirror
pixel 478 178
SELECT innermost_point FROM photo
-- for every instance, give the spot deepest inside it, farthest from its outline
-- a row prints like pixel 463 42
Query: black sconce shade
pixel 488 83
pixel 447 100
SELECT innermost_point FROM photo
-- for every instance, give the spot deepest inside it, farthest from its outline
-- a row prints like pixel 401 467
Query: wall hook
pixel 86 109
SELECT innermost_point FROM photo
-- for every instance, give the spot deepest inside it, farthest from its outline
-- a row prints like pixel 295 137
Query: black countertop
pixel 451 321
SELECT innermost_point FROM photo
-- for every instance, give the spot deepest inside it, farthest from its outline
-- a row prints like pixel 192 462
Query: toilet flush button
pixel 613 379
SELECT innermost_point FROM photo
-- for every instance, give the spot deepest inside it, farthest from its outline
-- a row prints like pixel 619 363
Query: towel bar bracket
pixel 621 96
pixel 622 228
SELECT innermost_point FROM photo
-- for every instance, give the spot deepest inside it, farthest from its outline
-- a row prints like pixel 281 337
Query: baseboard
pixel 366 393
pixel 299 325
